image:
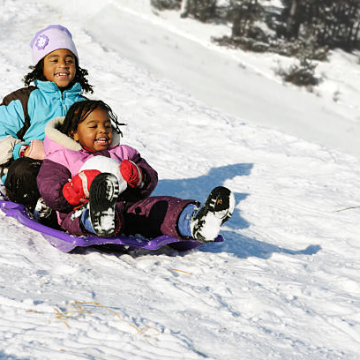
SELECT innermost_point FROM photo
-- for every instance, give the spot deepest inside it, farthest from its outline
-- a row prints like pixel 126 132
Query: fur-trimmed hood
pixel 57 138
pixel 63 150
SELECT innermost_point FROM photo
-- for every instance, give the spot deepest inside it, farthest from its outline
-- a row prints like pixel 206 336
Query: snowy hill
pixel 284 284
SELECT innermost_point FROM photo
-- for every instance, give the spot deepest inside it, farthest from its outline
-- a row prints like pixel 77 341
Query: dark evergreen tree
pixel 203 10
pixel 244 14
pixel 329 23
pixel 165 4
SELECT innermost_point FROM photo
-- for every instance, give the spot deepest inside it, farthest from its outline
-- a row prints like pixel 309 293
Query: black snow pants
pixel 20 182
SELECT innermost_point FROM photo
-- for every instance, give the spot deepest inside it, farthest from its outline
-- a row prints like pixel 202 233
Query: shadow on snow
pixel 4 356
pixel 236 244
pixel 200 187
pixel 244 247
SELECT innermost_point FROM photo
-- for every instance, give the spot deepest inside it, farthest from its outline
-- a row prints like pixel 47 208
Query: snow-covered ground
pixel 286 282
pixel 229 80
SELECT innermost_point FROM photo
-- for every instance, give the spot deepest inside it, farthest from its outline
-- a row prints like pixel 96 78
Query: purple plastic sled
pixel 66 242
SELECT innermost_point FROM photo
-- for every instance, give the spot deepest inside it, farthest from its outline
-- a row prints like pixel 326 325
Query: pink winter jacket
pixel 65 157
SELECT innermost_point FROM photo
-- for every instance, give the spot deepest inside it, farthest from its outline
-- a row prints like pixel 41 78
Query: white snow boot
pixel 218 208
pixel 104 192
pixel 42 211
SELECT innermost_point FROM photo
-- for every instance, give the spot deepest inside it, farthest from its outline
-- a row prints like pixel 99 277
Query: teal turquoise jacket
pixel 24 114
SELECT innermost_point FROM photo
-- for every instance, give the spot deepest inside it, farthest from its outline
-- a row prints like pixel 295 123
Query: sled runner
pixel 66 242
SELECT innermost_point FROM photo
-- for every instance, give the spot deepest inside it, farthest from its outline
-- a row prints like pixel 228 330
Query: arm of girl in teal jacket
pixel 11 121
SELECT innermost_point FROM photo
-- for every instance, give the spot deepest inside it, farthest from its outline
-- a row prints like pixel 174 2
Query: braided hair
pixel 37 73
pixel 79 111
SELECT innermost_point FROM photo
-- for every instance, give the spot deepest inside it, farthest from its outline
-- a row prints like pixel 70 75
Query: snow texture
pixel 285 284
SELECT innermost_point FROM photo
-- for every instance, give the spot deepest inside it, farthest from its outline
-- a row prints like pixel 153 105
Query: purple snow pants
pixel 150 217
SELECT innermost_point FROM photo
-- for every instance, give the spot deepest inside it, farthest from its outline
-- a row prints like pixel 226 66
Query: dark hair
pixel 79 111
pixel 37 73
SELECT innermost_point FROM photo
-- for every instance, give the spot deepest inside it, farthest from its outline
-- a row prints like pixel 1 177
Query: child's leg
pixel 183 219
pixel 99 216
pixel 20 182
pixel 86 223
pixel 78 222
pixel 71 222
pixel 154 216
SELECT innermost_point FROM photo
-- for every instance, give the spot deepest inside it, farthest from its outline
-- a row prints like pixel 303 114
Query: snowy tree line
pixel 290 26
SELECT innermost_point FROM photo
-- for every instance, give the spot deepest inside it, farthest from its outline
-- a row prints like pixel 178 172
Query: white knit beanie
pixel 52 38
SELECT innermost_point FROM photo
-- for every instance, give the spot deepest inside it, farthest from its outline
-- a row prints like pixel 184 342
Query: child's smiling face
pixel 95 132
pixel 60 67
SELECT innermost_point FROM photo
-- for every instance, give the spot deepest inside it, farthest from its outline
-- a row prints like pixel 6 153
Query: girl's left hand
pixel 131 173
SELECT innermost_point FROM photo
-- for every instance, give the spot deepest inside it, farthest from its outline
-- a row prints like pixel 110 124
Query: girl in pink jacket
pixel 98 186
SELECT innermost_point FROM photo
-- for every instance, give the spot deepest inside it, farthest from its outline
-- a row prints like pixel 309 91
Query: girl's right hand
pixel 35 150
pixel 76 191
pixel 26 151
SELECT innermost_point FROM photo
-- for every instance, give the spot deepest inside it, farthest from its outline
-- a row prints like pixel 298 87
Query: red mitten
pixel 76 191
pixel 131 173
